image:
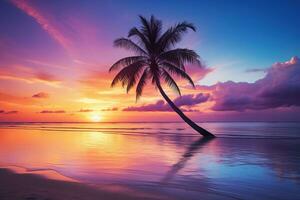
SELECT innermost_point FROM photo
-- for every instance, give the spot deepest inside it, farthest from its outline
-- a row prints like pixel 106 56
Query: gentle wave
pixel 249 130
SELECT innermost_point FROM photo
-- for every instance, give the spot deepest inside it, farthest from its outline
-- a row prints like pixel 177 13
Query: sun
pixel 95 117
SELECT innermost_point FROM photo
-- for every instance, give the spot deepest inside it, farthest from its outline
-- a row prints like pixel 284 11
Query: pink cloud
pixel 198 72
pixel 46 77
pixel 28 75
pixel 41 95
pixel 46 24
pixel 8 98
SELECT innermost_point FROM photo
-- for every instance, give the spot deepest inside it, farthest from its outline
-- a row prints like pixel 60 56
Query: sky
pixel 55 56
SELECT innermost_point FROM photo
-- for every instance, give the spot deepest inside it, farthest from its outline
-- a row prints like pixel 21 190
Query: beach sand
pixel 28 186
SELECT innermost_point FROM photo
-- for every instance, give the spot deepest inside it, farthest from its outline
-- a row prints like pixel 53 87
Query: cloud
pixel 12 99
pixel 42 76
pixel 88 100
pixel 52 111
pixel 103 110
pixel 279 88
pixel 85 110
pixel 42 95
pixel 158 106
pixel 97 79
pixel 185 100
pixel 255 70
pixel 198 72
pixel 191 100
pixel 9 112
pixel 28 75
pixel 110 109
pixel 45 23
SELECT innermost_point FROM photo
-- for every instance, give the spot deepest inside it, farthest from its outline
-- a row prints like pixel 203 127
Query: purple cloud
pixel 158 106
pixel 185 100
pixel 191 100
pixel 279 88
pixel 41 95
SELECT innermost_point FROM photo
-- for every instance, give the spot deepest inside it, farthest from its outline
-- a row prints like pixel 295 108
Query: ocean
pixel 247 160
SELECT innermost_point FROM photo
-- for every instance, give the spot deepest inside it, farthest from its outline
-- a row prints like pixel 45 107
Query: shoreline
pixel 20 184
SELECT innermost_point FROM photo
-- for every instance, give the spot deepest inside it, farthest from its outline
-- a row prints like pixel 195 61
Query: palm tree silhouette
pixel 156 59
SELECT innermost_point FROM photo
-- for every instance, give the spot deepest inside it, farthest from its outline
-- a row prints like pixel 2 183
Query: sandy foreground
pixel 19 184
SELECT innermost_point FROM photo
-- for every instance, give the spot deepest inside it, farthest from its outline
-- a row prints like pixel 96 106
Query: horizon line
pixel 269 121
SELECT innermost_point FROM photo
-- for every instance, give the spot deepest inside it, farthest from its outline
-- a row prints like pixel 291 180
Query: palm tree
pixel 156 59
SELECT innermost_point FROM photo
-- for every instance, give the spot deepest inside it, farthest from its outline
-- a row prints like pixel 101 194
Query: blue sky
pixel 232 36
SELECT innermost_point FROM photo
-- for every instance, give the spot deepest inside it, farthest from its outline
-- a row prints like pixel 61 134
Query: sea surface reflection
pixel 246 161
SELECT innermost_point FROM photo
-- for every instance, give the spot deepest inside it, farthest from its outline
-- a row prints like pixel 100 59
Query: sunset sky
pixel 55 56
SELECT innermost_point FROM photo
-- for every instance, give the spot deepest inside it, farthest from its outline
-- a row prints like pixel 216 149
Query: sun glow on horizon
pixel 95 117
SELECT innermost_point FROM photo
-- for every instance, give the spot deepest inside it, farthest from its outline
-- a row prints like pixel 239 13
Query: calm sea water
pixel 245 161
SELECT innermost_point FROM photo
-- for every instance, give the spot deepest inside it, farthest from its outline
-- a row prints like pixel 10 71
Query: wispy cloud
pixel 29 75
pixel 109 109
pixel 102 110
pixel 85 110
pixel 53 111
pixel 46 24
pixel 256 70
pixel 88 100
pixel 14 99
pixel 42 95
pixel 9 112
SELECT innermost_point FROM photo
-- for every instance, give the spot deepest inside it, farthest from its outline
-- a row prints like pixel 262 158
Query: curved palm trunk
pixel 200 130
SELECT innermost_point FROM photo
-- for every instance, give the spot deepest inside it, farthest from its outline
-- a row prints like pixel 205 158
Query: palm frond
pixel 151 29
pixel 156 26
pixel 152 48
pixel 181 56
pixel 174 34
pixel 178 72
pixel 142 39
pixel 126 74
pixel 130 45
pixel 170 81
pixel 176 63
pixel 146 29
pixel 141 84
pixel 126 61
pixel 135 76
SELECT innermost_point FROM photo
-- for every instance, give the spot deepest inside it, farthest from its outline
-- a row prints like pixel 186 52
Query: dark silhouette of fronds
pixel 156 59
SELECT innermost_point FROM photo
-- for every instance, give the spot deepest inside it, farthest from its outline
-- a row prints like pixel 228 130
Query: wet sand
pixel 28 186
